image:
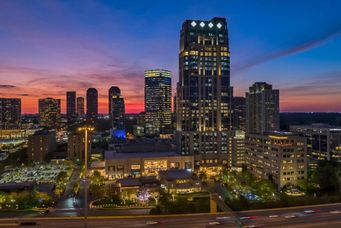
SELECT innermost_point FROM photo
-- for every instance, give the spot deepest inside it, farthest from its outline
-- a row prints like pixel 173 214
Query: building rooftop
pixel 11 187
pixel 175 174
pixel 129 182
pixel 136 182
pixel 111 155
pixel 318 126
pixel 146 145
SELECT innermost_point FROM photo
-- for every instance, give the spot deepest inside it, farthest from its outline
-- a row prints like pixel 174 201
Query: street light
pixel 86 130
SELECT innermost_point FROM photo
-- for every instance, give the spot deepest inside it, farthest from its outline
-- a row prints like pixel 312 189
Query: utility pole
pixel 85 180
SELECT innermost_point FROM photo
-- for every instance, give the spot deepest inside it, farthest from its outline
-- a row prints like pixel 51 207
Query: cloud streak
pixel 7 86
pixel 303 46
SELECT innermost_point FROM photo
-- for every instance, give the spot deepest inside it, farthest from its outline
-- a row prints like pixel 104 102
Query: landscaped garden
pixel 244 191
pixel 25 200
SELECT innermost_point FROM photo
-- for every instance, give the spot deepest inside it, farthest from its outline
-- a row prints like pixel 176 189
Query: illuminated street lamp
pixel 86 130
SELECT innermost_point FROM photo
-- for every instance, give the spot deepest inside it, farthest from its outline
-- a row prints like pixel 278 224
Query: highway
pixel 319 216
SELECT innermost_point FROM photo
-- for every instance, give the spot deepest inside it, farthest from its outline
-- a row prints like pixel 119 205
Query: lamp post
pixel 86 130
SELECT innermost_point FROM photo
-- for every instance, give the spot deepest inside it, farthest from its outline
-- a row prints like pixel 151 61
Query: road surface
pixel 324 216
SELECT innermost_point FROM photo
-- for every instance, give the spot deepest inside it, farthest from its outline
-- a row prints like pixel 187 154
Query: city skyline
pixel 171 114
pixel 99 44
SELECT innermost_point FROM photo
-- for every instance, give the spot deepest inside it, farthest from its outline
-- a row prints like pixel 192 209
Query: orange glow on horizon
pixel 288 104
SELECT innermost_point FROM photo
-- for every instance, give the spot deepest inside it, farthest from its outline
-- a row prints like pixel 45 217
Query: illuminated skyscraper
pixel 71 106
pixel 49 112
pixel 158 101
pixel 10 113
pixel 80 106
pixel 262 109
pixel 116 108
pixel 204 92
pixel 91 105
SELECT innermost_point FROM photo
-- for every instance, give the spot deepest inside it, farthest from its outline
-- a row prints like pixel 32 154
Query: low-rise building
pixel 238 149
pixel 119 165
pixel 280 157
pixel 179 181
pixel 75 146
pixel 40 144
pixel 323 141
pixel 14 137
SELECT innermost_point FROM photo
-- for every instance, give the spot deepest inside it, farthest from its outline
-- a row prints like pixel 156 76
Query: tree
pixel 143 195
pixel 97 178
pixel 326 177
pixel 3 198
pixel 203 175
pixel 62 176
pixel 155 195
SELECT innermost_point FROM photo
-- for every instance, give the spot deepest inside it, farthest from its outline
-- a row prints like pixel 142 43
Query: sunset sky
pixel 49 47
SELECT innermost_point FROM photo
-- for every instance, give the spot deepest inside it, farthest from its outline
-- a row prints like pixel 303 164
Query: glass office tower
pixel 158 102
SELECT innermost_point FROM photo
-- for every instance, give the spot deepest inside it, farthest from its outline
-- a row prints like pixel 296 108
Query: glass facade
pixel 158 101
pixel 71 106
pixel 91 105
pixel 116 108
pixel 49 113
pixel 323 141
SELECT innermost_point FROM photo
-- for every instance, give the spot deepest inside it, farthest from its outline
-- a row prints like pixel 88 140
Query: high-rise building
pixel 80 107
pixel 204 93
pixel 116 108
pixel 262 108
pixel 323 142
pixel 158 101
pixel 91 105
pixel 49 112
pixel 280 157
pixel 10 113
pixel 40 144
pixel 175 101
pixel 71 106
pixel 239 113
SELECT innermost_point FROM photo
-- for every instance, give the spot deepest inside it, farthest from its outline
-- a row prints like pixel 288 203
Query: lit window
pixel 210 25
pixel 202 24
pixel 219 25
pixel 193 23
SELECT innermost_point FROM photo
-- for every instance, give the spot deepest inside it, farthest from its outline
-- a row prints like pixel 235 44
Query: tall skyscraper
pixel 91 105
pixel 262 108
pixel 116 108
pixel 10 113
pixel 239 113
pixel 80 106
pixel 204 93
pixel 71 106
pixel 158 101
pixel 49 112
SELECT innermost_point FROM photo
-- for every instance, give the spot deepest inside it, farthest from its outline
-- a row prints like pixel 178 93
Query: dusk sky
pixel 49 47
